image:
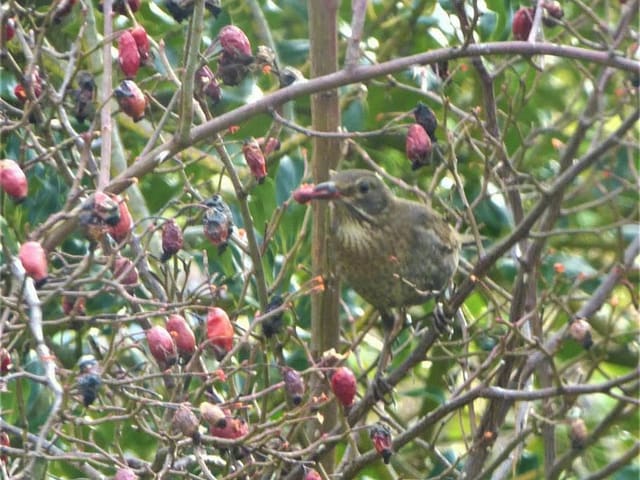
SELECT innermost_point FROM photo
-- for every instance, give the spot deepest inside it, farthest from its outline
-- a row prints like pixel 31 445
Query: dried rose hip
pixel 122 227
pixel 162 346
pixel 125 271
pixel 207 85
pixel 418 146
pixel 128 54
pixel 182 335
pixel 13 180
pixel 235 427
pixel 186 422
pixel 219 331
pixel 343 385
pixel 217 221
pixel 34 261
pixel 522 21
pixel 255 159
pixel 131 99
pixel 141 38
pixel 171 240
pixel 381 438
pixel 234 42
pixel 293 385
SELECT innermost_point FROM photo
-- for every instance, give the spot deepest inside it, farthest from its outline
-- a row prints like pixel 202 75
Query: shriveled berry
pixel 343 385
pixel 381 438
pixel 131 99
pixel 13 180
pixel 125 474
pixel 219 331
pixel 34 261
pixel 73 305
pixel 311 474
pixel 186 422
pixel 235 427
pixel 141 38
pixel 128 54
pixel 304 193
pixel 418 146
pixel 578 433
pixel 182 335
pixel 122 227
pixel 89 385
pixel 269 145
pixel 5 361
pixel 5 442
pixel 217 221
pixel 273 325
pixel 293 385
pixel 84 97
pixel 171 240
pixel 234 42
pixel 213 415
pixel 580 331
pixel 255 159
pixel 125 271
pixel 426 118
pixel 162 346
pixel 522 22
pixel 9 29
pixel 207 85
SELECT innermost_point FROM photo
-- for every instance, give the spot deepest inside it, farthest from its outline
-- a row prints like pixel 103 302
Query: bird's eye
pixel 363 187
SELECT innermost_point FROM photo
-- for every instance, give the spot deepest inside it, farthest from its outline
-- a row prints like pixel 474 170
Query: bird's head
pixel 360 194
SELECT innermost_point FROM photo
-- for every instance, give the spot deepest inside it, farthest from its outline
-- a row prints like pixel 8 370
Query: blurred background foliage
pixel 538 112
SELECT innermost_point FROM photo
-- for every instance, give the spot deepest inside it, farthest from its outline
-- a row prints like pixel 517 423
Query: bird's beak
pixel 325 191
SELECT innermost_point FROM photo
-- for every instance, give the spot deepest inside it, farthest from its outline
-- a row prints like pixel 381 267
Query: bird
pixel 393 252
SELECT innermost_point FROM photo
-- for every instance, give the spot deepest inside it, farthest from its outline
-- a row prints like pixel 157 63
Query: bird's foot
pixel 382 391
pixel 442 321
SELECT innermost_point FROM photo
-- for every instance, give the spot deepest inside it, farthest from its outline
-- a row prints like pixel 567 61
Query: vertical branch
pixel 325 112
pixel 105 113
pixel 192 49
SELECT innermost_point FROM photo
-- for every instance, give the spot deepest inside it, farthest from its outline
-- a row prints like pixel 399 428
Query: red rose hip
pixel 343 385
pixel 13 180
pixel 34 261
pixel 162 346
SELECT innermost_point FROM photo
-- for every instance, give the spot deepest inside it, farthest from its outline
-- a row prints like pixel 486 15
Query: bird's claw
pixel 442 321
pixel 382 391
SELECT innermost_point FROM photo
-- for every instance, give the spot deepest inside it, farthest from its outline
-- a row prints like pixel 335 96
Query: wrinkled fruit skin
pixel 293 385
pixel 418 146
pixel 125 271
pixel 272 325
pixel 426 118
pixel 522 21
pixel 219 331
pixel 89 385
pixel 172 240
pixel 182 335
pixel 141 38
pixel 34 261
pixel 234 42
pixel 131 99
pixel 128 54
pixel 125 474
pixel 185 422
pixel 122 227
pixel 206 85
pixel 235 427
pixel 13 180
pixel 255 159
pixel 381 438
pixel 343 385
pixel 162 346
pixel 217 221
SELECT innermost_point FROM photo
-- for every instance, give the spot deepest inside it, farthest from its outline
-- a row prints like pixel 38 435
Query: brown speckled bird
pixel 393 252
